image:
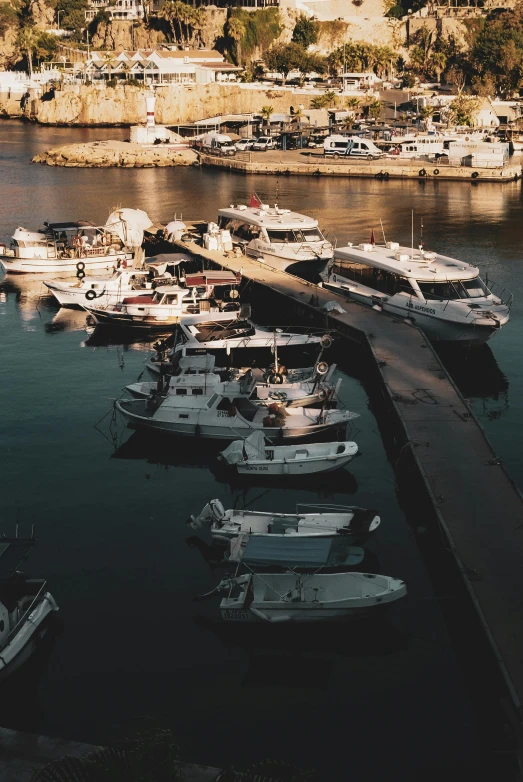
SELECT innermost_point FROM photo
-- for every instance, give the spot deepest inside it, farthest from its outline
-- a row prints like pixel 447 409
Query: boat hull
pixel 437 329
pixel 61 265
pixel 293 467
pixel 29 637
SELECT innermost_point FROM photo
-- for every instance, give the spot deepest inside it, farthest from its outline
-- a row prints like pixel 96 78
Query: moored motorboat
pixel 444 297
pixel 26 606
pixel 293 597
pixel 354 524
pixel 226 418
pixel 253 456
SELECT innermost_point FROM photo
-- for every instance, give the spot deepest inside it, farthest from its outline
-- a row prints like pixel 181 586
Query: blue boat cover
pixel 300 551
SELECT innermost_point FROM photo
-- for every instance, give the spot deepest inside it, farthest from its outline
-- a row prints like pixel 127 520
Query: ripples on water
pixel 110 506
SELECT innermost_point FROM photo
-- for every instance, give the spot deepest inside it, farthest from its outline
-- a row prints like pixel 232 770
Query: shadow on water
pixel 477 375
pixel 169 451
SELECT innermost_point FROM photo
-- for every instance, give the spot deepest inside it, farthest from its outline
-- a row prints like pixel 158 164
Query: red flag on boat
pixel 372 239
pixel 254 201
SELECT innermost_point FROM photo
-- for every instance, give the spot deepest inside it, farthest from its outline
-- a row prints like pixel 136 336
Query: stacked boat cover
pixel 253 447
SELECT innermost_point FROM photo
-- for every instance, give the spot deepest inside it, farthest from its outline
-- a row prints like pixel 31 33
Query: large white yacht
pixel 445 297
pixel 278 237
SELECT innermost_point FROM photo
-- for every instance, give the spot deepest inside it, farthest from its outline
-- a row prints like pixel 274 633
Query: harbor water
pixel 389 697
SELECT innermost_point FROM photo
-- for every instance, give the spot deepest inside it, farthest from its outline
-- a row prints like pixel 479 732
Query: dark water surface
pixel 358 702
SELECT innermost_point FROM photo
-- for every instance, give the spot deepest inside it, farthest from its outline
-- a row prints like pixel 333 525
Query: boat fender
pixel 436 171
pixel 260 614
pixel 80 274
pixel 322 394
pixel 276 378
pixel 326 341
pixel 322 368
pixel 90 295
pixel 422 172
pixel 80 266
pixel 474 175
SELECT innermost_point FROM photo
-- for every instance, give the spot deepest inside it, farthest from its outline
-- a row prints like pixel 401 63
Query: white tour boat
pixel 254 456
pixel 354 524
pixel 293 597
pixel 249 383
pixel 227 417
pixel 165 306
pixel 124 281
pixel 65 248
pixel 26 606
pixel 278 237
pixel 445 297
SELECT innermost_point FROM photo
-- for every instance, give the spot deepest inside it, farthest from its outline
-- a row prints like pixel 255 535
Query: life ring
pixel 80 266
pixel 322 368
pixel 276 378
pixel 474 175
pixel 90 295
pixel 234 294
pixel 436 171
pixel 80 274
pixel 326 341
pixel 422 172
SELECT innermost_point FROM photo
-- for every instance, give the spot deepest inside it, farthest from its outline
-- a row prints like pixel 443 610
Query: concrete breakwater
pixel 106 154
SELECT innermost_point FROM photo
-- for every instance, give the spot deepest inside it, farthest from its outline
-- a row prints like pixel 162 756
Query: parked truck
pixel 218 144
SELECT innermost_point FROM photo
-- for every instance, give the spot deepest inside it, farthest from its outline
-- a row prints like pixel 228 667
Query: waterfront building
pixel 162 66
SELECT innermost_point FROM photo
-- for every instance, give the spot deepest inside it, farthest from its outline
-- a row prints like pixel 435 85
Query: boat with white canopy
pixel 26 606
pixel 445 297
pixel 254 456
pixel 69 247
pixel 295 597
pixel 296 552
pixel 354 524
pixel 283 239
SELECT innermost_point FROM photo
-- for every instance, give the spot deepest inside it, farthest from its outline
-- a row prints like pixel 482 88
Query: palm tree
pixel 171 13
pixel 27 41
pixel 199 21
pixel 186 15
pixel 438 63
pixel 267 112
pixel 236 31
pixel 330 98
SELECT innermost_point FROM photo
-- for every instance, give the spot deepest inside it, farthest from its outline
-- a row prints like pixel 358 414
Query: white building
pixel 162 66
pixel 122 10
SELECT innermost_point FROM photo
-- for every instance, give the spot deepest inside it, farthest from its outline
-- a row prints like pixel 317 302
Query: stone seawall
pixel 175 105
pixel 108 154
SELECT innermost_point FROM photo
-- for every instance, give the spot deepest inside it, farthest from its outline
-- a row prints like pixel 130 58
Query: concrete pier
pixel 478 506
pixel 300 163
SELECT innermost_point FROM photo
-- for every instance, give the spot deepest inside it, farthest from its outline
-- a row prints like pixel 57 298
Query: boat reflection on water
pixel 20 703
pixel 66 320
pixel 102 336
pixel 478 377
pixel 297 655
pixel 188 452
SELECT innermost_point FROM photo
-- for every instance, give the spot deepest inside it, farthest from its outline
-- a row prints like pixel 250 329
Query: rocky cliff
pixel 175 105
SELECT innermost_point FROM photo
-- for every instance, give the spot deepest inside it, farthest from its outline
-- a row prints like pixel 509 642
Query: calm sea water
pixel 110 507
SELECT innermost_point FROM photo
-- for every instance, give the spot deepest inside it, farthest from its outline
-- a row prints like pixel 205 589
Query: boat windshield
pixel 296 236
pixel 454 289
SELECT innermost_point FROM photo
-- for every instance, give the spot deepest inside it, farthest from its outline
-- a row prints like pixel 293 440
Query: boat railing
pixel 24 616
pixel 326 507
pixel 506 296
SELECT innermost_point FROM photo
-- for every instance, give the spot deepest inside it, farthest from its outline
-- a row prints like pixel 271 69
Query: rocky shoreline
pixel 109 154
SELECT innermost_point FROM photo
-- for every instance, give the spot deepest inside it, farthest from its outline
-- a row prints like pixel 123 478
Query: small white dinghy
pixel 25 606
pixel 253 456
pixel 292 597
pixel 352 523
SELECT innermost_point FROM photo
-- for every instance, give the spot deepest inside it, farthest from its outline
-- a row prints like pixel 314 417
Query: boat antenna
pixel 383 231
pixel 421 234
pixel 412 236
pixel 277 192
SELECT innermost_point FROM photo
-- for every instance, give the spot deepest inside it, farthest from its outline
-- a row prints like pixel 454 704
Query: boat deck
pixel 478 505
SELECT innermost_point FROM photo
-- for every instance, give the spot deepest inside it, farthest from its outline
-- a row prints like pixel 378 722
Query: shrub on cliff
pixel 261 28
pixel 8 17
pixel 306 31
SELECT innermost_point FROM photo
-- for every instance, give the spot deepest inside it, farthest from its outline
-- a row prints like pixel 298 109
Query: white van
pixel 218 144
pixel 351 146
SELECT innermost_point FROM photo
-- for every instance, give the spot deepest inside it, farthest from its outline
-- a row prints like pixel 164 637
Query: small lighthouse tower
pixel 150 101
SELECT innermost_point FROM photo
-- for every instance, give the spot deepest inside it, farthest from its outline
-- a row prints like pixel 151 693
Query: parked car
pixel 316 142
pixel 263 143
pixel 244 144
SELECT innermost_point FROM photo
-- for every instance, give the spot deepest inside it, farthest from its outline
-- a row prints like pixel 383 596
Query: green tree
pixel 26 42
pixel 463 110
pixel 284 58
pixel 73 16
pixel 374 109
pixel 437 63
pixel 46 46
pixel 306 31
pixel 170 11
pixel 236 31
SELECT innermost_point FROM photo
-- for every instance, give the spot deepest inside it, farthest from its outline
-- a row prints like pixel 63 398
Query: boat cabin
pixel 271 225
pixel 80 239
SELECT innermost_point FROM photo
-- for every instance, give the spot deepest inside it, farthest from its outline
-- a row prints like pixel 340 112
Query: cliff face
pixel 125 105
pixel 122 35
